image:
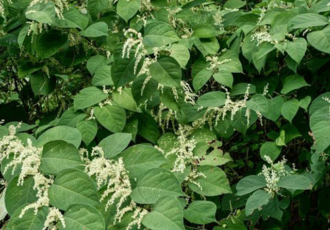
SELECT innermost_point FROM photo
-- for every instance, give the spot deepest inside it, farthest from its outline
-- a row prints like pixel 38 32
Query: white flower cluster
pixel 262 35
pixel 273 174
pixel 60 6
pixel 215 64
pixel 113 175
pixel 140 51
pixel 189 95
pixel 30 158
pixel 232 107
pixel 184 150
pixel 218 20
pixel 2 8
pixel 164 121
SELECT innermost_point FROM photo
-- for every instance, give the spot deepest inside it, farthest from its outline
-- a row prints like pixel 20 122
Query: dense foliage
pixel 164 114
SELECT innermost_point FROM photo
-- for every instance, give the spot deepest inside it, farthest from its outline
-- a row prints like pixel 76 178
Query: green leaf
pixel 320 125
pixel 50 42
pixel 240 89
pixel 149 91
pixel 234 4
pixel 256 201
pixel 71 118
pixel 319 103
pixel 41 84
pixel 140 158
pixel 207 46
pixel 306 20
pixel 295 182
pixel 127 9
pixel 155 184
pixel 258 102
pixel 27 68
pixel 42 12
pixel 205 31
pixel 167 214
pixel 72 186
pixel 96 63
pixel 297 49
pixel 270 149
pixel 102 77
pixel 212 99
pixel 148 128
pixel 249 184
pixel 280 140
pixel 88 130
pixel 17 196
pixel 200 79
pixel 73 19
pixel 125 99
pixel 224 77
pixel 111 117
pixel 274 108
pixel 293 82
pixel 22 35
pixel 304 103
pixel 320 40
pixel 201 212
pixel 83 217
pixel 166 71
pixel 88 97
pixel 180 53
pixel 215 183
pixel 29 221
pixel 57 156
pixel 95 30
pixel 65 133
pixel 215 158
pixel 290 109
pixel 158 33
pixel 115 144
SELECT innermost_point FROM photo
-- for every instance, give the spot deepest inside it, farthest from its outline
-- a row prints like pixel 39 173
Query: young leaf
pixel 271 150
pixel 127 9
pixel 88 130
pixel 290 109
pixel 201 212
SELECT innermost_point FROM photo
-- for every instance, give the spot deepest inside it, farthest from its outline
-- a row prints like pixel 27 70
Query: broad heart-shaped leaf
pixel 166 71
pixel 307 20
pixel 29 221
pixel 88 130
pixel 258 199
pixel 249 184
pixel 72 186
pixel 258 102
pixel 88 97
pixel 95 30
pixel 295 182
pixel 17 196
pixel 102 77
pixel 274 108
pixel 115 144
pixel 96 62
pixel 27 68
pixel 83 217
pixel 57 156
pixel 290 109
pixel 297 49
pixel 224 77
pixel 201 212
pixel 167 214
pixel 320 124
pixel 304 103
pixel 293 82
pixel 215 183
pixel 50 42
pixel 140 158
pixel 320 40
pixel 42 12
pixel 207 46
pixel 201 78
pixel 73 19
pixel 71 117
pixel 127 9
pixel 149 90
pixel 41 84
pixel 319 103
pixel 65 133
pixel 111 117
pixel 148 128
pixel 180 53
pixel 155 184
pixel 125 99
pixel 270 149
pixel 212 99
pixel 123 70
pixel 158 33
pixel 240 121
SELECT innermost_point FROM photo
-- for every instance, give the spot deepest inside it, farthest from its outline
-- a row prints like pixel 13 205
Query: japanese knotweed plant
pixel 164 114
